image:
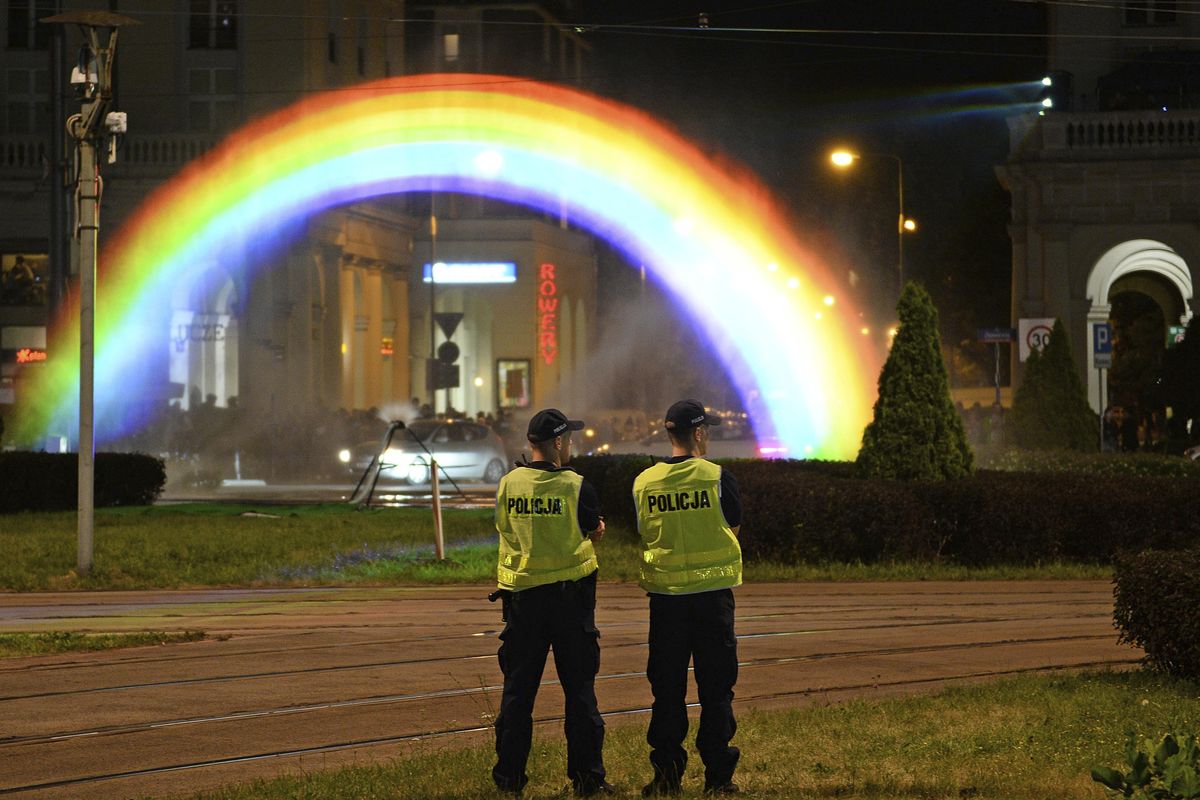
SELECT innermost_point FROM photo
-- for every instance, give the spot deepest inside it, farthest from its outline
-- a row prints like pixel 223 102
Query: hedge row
pixel 1135 464
pixel 1156 597
pixel 50 481
pixel 815 511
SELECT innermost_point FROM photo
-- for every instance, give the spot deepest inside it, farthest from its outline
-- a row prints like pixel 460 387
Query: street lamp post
pixel 91 129
pixel 844 159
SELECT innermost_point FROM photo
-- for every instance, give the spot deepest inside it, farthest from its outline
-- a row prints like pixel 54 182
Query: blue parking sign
pixel 1102 336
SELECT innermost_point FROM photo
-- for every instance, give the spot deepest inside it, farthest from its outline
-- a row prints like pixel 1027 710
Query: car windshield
pixel 423 428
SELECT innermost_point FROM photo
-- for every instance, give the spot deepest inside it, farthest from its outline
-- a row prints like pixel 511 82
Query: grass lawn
pixel 15 645
pixel 229 545
pixel 1030 737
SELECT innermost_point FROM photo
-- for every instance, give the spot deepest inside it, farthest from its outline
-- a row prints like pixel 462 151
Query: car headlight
pixel 344 456
pixel 397 459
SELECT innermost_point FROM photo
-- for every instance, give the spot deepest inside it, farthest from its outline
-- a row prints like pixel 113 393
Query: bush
pixel 50 481
pixel 1157 595
pixel 1134 464
pixel 821 511
pixel 1168 770
pixel 915 434
pixel 1050 409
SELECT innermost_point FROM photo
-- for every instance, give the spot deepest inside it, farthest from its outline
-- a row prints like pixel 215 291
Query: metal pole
pixel 89 191
pixel 432 309
pixel 439 544
pixel 1100 402
pixel 87 129
pixel 996 347
pixel 900 223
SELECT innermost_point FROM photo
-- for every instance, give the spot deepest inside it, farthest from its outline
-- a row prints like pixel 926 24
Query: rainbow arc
pixel 706 231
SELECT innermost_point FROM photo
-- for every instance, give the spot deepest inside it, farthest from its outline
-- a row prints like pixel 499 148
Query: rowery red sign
pixel 547 310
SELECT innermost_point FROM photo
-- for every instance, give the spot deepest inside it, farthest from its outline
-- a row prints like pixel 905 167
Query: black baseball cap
pixel 550 422
pixel 689 414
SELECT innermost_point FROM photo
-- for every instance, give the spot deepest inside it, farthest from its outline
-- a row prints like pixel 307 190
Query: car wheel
pixel 494 471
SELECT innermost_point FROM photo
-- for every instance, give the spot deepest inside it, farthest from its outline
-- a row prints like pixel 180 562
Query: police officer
pixel 689 513
pixel 548 516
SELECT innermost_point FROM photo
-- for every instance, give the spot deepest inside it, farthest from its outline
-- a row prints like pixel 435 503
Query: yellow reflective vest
pixel 687 546
pixel 537 519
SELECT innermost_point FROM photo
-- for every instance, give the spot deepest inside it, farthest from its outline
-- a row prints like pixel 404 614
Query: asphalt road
pixel 312 679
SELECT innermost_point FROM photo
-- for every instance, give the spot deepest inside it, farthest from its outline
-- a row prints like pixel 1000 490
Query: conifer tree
pixel 1050 409
pixel 1181 384
pixel 916 434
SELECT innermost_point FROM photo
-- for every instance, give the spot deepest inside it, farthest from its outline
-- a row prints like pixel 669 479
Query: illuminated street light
pixel 844 159
pixel 910 225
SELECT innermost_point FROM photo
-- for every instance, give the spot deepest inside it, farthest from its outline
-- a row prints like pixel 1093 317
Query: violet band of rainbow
pixel 706 231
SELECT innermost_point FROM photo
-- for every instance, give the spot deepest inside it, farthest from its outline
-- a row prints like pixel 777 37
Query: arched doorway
pixel 1136 284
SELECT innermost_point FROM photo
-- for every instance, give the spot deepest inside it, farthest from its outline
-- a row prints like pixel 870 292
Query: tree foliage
pixel 916 433
pixel 1181 383
pixel 1050 409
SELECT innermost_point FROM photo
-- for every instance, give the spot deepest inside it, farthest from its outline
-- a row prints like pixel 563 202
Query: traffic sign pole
pixel 1102 338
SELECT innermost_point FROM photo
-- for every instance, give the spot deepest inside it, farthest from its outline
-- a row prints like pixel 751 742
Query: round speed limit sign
pixel 1037 337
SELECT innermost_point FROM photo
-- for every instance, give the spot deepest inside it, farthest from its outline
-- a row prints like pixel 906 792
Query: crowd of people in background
pixel 1135 430
pixel 210 442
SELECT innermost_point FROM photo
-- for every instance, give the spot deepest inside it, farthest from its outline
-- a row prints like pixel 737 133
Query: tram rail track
pixel 461 730
pixel 390 699
pixel 394 663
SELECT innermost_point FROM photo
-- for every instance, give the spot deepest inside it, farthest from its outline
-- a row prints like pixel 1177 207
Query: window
pixel 26 101
pixel 450 47
pixel 212 25
pixel 23 279
pixel 212 99
pixel 512 383
pixel 24 30
pixel 1150 12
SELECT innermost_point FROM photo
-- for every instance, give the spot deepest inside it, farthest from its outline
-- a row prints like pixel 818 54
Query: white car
pixel 463 450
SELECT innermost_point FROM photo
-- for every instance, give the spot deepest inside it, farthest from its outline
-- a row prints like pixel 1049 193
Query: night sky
pixel 933 86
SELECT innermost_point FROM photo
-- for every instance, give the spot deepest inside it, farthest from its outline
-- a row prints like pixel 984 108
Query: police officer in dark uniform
pixel 548 516
pixel 689 512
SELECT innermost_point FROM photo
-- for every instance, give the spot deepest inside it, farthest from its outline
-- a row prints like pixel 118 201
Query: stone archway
pixel 1122 261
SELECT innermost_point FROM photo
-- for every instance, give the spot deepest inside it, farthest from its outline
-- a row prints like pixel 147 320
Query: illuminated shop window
pixel 512 383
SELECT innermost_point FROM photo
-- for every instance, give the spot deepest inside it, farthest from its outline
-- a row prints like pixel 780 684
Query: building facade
pixel 338 317
pixel 1106 185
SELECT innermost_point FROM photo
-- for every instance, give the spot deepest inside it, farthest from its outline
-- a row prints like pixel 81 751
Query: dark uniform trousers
pixel 695 627
pixel 561 616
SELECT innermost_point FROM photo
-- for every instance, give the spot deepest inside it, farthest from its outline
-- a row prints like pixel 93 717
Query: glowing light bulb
pixel 829 301
pixel 793 283
pixel 841 158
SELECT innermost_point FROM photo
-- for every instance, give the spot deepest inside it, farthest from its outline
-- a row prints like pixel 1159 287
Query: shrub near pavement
pixel 1133 464
pixel 50 481
pixel 1157 594
pixel 819 511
